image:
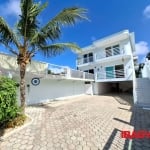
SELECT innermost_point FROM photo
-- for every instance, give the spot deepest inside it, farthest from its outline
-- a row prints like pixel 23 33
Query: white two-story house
pixel 111 61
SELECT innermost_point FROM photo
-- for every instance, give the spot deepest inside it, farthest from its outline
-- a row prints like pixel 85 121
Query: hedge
pixel 9 108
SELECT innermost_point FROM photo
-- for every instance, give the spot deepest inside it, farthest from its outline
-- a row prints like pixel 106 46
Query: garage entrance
pixel 122 90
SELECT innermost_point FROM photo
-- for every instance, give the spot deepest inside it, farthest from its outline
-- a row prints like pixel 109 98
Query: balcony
pixel 111 75
pixel 102 55
pixel 81 75
pixel 109 52
pixel 81 61
pixel 68 73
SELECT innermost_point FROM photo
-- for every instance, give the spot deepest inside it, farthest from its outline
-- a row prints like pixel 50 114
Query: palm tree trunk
pixel 22 85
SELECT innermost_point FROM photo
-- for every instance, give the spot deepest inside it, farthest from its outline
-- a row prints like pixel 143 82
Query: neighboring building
pixel 111 60
pixel 145 71
pixel 142 86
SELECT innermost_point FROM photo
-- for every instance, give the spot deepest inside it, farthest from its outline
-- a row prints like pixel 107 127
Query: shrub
pixel 9 108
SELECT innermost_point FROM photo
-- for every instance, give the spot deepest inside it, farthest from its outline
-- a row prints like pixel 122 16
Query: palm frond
pixel 68 16
pixel 28 24
pixel 6 34
pixel 58 48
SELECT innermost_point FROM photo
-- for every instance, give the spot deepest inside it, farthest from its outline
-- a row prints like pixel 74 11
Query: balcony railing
pixel 56 70
pixel 85 60
pixel 108 53
pixel 99 55
pixel 81 74
pixel 111 74
pixel 68 72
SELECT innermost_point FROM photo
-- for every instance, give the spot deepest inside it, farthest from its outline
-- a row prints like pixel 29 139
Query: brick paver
pixel 83 123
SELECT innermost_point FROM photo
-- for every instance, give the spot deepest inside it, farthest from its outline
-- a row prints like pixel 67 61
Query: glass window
pixel 90 57
pixel 116 50
pixel 85 59
pixel 109 72
pixel 108 51
pixel 119 71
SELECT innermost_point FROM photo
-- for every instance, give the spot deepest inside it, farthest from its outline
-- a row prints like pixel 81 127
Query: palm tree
pixel 29 37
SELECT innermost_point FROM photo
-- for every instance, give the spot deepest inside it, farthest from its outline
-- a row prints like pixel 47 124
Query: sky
pixel 106 17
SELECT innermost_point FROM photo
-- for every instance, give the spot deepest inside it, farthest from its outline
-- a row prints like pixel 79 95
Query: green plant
pixel 9 108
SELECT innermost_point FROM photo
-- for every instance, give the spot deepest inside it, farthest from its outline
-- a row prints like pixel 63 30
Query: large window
pixel 112 50
pixel 115 71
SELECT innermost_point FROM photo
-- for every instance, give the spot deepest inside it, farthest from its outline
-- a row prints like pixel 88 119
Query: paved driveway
pixel 83 123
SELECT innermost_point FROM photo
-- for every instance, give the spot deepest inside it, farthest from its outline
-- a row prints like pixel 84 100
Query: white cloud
pixel 10 8
pixel 146 11
pixel 142 48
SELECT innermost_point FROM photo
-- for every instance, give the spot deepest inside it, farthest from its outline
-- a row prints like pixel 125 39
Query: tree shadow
pixel 2 130
pixel 111 139
pixel 140 121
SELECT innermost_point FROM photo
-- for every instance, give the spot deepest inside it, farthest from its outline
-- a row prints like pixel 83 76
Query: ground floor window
pixel 90 71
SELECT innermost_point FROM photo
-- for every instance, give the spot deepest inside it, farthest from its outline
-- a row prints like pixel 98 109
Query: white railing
pixel 99 55
pixel 68 72
pixel 81 61
pixel 81 74
pixel 110 74
pixel 108 53
pixel 56 70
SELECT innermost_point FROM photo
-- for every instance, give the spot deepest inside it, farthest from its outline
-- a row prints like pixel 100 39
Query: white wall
pixel 142 91
pixel 49 89
pixel 127 47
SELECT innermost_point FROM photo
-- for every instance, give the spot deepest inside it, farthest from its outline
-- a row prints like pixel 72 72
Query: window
pixel 108 51
pixel 89 71
pixel 112 50
pixel 119 71
pixel 85 58
pixel 109 72
pixel 88 58
pixel 116 50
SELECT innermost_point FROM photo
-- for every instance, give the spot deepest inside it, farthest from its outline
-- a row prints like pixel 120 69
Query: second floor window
pixel 88 58
pixel 112 50
pixel 108 51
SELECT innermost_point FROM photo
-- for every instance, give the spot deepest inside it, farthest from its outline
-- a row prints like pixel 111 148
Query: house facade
pixel 111 60
pixel 106 66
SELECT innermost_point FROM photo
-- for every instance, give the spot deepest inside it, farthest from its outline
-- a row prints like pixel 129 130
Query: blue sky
pixel 107 17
